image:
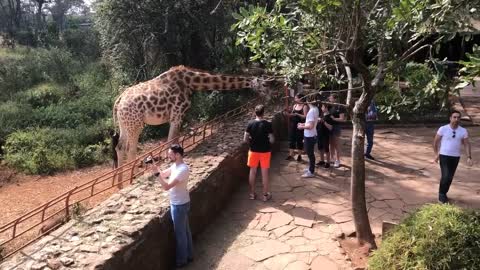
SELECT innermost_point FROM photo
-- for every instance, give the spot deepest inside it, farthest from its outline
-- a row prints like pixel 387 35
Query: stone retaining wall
pixel 133 229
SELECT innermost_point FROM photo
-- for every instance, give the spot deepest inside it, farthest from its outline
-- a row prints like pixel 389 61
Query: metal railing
pixel 61 207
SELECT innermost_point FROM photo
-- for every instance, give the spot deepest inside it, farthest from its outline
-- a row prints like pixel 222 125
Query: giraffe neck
pixel 206 81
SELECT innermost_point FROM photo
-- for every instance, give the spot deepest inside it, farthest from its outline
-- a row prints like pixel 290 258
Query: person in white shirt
pixel 310 135
pixel 178 175
pixel 447 147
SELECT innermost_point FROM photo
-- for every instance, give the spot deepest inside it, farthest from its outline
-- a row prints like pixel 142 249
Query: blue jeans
pixel 183 236
pixel 369 131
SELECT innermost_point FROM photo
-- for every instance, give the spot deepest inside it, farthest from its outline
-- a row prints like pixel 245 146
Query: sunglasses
pixel 453 135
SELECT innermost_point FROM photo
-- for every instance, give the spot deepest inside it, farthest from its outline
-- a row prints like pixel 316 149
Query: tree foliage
pixel 143 38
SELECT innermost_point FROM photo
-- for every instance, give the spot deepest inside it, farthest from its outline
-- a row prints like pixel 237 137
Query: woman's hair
pixel 300 96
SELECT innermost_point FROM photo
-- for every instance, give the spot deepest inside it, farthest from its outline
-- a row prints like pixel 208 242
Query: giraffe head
pixel 265 87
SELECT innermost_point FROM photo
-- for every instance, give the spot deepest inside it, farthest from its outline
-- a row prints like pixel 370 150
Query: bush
pixel 435 237
pixel 43 94
pixel 13 116
pixel 44 150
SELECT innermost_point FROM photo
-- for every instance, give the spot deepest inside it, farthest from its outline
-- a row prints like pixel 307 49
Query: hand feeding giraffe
pixel 166 98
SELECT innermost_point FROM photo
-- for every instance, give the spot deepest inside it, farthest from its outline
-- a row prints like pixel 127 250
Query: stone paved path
pixel 297 229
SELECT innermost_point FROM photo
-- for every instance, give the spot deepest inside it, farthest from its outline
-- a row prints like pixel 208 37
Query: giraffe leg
pixel 174 130
pixel 121 154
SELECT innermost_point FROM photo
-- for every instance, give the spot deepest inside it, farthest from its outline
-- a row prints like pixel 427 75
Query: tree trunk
pixel 359 205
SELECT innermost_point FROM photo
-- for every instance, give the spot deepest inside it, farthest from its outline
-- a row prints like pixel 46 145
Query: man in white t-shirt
pixel 310 135
pixel 178 175
pixel 447 146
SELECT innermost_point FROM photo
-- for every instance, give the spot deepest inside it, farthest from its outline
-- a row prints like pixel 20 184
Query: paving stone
pixel 323 263
pixel 326 209
pixel 283 230
pixel 257 233
pixel 234 260
pixel 396 204
pixel 264 250
pixel 342 217
pixel 304 248
pixel 296 241
pixel 314 234
pixel 303 216
pixel 278 219
pixel 279 262
pixel 298 265
pixel 297 232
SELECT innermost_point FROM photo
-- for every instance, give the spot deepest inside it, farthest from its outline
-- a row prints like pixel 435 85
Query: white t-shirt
pixel 450 146
pixel 179 193
pixel 312 116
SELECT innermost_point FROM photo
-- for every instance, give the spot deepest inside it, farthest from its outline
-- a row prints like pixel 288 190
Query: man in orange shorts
pixel 259 135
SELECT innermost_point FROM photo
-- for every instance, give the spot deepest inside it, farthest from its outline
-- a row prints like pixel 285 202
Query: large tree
pixel 325 37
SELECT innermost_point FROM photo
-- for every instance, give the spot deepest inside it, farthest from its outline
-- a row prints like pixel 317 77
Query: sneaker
pixel 308 174
pixel 321 163
pixel 289 158
pixel 369 157
pixel 336 164
pixel 327 165
pixel 299 158
pixel 267 196
pixel 252 196
pixel 306 170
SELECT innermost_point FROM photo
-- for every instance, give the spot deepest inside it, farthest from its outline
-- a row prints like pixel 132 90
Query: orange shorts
pixel 255 157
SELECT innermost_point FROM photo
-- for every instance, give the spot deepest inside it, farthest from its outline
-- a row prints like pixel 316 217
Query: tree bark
pixel 359 205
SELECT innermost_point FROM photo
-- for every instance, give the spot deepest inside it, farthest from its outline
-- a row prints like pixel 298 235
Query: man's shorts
pixel 256 157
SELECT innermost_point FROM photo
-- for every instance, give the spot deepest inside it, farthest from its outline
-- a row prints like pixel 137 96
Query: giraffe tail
pixel 114 134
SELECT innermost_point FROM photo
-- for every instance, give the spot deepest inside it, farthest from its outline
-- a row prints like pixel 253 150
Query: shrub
pixel 13 116
pixel 44 150
pixel 434 237
pixel 43 94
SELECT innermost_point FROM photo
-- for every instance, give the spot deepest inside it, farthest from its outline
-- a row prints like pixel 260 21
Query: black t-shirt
pixel 335 111
pixel 259 131
pixel 321 128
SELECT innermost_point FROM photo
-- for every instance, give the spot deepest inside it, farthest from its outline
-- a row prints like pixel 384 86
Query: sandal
pixel 267 196
pixel 252 196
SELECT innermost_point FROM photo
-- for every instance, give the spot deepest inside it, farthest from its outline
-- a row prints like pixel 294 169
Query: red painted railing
pixel 60 208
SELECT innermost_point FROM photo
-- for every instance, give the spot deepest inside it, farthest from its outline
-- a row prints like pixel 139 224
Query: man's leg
pixel 310 149
pixel 251 179
pixel 189 237
pixel 265 180
pixel 179 215
pixel 369 131
pixel 448 166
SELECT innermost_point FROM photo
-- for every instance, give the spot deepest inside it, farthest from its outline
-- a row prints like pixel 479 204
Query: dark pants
pixel 310 150
pixel 448 166
pixel 369 131
pixel 295 137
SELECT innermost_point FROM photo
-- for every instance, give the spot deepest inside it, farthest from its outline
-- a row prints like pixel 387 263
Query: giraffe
pixel 166 98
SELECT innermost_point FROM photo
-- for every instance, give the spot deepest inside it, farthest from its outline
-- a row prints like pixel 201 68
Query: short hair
pixel 455 111
pixel 334 95
pixel 176 148
pixel 259 110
